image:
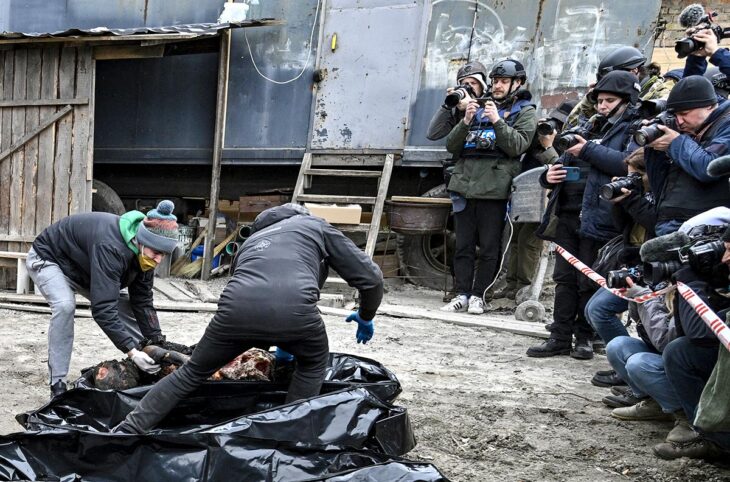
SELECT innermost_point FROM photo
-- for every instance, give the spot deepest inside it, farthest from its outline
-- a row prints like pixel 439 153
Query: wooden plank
pixel 341 173
pixel 302 177
pixel 47 140
pixel 164 287
pixel 16 239
pixel 17 159
pixel 378 207
pixel 202 292
pixel 422 200
pixel 325 198
pixel 7 58
pixel 45 123
pixel 45 101
pixel 40 309
pixel 62 158
pixel 184 289
pixel 115 52
pixel 80 143
pixel 13 254
pixel 162 305
pixel 32 120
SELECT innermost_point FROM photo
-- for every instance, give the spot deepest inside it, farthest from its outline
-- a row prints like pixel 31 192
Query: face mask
pixel 145 262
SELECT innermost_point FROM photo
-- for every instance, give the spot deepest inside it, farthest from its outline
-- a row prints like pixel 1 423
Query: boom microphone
pixel 720 167
pixel 663 248
pixel 691 15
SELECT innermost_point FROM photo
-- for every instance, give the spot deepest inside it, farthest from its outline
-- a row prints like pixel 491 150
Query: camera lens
pixel 453 99
pixel 607 192
pixel 546 128
pixel 566 142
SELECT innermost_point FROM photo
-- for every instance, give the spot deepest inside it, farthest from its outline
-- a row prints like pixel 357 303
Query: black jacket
pixel 91 252
pixel 278 274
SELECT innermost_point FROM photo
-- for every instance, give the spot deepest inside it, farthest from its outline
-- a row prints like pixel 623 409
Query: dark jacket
pixel 679 177
pixel 91 252
pixel 442 122
pixel 278 273
pixel 636 209
pixel 598 163
pixel 698 65
pixel 690 324
pixel 488 174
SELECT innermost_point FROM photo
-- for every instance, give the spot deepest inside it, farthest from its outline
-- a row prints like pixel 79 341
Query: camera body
pixel 651 132
pixel 632 182
pixel 687 45
pixel 568 139
pixel 484 139
pixel 458 94
pixel 617 278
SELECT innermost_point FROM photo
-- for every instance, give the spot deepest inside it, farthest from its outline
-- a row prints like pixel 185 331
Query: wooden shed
pixel 47 121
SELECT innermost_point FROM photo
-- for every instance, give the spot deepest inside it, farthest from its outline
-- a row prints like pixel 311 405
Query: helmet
pixel 472 68
pixel 719 81
pixel 618 82
pixel 623 58
pixel 508 68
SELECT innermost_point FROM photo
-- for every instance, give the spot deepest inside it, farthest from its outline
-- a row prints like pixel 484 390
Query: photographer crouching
pixel 488 143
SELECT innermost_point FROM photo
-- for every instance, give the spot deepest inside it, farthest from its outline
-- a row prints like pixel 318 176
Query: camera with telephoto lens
pixel 456 95
pixel 569 138
pixel 548 126
pixel 651 132
pixel 687 45
pixel 632 182
pixel 617 278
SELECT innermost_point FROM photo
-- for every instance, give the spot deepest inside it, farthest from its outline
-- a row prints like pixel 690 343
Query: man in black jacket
pixel 96 255
pixel 272 300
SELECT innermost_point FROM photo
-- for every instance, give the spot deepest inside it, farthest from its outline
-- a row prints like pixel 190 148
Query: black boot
pixel 550 347
pixel 607 378
pixel 583 349
pixel 57 389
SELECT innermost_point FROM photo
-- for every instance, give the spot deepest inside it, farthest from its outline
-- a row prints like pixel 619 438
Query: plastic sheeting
pixel 226 429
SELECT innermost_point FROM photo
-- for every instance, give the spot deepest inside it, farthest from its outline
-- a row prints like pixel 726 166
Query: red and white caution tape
pixel 708 316
pixel 601 281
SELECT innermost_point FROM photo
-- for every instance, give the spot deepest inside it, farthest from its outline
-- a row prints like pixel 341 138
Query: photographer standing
pixel 696 63
pixel 576 218
pixel 677 161
pixel 488 144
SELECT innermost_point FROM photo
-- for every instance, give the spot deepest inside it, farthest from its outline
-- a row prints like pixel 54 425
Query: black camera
pixel 650 132
pixel 456 95
pixel 485 139
pixel 617 278
pixel 548 126
pixel 703 255
pixel 656 271
pixel 687 45
pixel 632 182
pixel 569 138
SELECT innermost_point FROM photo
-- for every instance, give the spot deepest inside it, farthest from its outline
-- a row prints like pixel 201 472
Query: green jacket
pixel 491 177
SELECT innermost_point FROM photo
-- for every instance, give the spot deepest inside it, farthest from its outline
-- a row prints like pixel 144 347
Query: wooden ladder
pixel 304 180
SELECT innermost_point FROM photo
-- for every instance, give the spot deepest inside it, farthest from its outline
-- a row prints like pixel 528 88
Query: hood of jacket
pixel 128 226
pixel 277 213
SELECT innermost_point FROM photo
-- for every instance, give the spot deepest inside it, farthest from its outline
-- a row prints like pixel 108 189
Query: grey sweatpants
pixel 59 291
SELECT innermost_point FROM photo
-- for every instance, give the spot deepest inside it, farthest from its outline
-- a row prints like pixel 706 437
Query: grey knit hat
pixel 158 230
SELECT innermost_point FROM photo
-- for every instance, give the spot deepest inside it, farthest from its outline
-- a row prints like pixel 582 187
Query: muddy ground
pixel 481 409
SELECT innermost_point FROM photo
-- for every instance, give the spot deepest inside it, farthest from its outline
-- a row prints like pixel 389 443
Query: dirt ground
pixel 481 409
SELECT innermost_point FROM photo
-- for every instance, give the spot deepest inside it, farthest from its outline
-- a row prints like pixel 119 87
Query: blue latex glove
pixel 283 356
pixel 365 329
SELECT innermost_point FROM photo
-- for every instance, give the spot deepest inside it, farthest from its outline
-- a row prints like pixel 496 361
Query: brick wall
pixel 664 46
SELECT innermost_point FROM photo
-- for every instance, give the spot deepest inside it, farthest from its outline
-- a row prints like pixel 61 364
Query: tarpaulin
pixel 240 430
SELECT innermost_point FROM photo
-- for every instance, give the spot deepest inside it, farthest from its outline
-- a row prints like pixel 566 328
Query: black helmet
pixel 472 68
pixel 691 92
pixel 719 81
pixel 623 58
pixel 618 82
pixel 508 68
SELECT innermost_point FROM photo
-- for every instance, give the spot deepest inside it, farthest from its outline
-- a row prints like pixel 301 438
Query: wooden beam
pixel 218 141
pixel 162 305
pixel 42 102
pixel 114 52
pixel 43 125
pixel 15 238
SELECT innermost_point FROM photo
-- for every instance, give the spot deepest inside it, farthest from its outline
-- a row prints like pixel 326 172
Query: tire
pixel 421 256
pixel 106 200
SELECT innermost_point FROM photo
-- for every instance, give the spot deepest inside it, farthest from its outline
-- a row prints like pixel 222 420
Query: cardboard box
pixel 388 264
pixel 335 214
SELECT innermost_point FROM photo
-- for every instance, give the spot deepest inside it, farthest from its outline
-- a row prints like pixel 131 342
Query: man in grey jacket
pixel 271 299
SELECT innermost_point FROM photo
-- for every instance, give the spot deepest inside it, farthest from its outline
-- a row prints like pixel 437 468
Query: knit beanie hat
pixel 691 93
pixel 158 230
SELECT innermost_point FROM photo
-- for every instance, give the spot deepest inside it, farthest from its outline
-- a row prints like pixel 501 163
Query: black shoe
pixel 620 389
pixel 607 378
pixel 583 349
pixel 57 389
pixel 628 399
pixel 550 347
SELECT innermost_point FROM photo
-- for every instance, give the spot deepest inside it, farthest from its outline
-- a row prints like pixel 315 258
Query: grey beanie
pixel 158 230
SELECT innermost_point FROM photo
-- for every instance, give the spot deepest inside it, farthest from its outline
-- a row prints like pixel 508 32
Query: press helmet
pixel 623 58
pixel 719 81
pixel 618 82
pixel 472 68
pixel 508 68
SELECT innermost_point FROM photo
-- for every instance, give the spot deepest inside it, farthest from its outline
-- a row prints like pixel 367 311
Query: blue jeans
pixel 688 368
pixel 643 370
pixel 667 227
pixel 601 311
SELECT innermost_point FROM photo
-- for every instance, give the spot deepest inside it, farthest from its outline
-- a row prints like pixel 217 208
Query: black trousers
pixel 213 352
pixel 572 288
pixel 479 224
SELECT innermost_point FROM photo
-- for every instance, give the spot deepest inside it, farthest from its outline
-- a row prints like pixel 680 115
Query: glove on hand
pixel 143 361
pixel 365 329
pixel 283 356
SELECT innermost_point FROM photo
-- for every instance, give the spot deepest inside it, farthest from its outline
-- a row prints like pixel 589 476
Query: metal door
pixel 364 96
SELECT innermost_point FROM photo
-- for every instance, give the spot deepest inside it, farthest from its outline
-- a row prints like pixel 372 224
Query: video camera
pixel 632 182
pixel 651 132
pixel 460 92
pixel 694 17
